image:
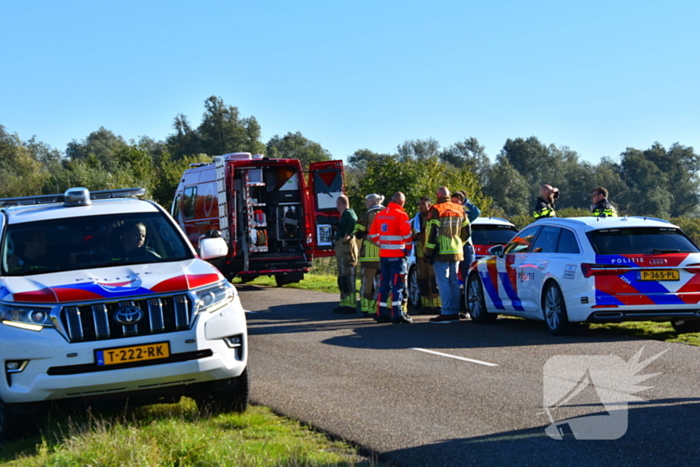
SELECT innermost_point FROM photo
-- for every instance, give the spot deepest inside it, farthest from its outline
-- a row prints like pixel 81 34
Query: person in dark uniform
pixel 346 255
pixel 544 204
pixel 601 206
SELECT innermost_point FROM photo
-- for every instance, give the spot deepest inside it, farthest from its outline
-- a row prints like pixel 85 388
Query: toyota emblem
pixel 128 315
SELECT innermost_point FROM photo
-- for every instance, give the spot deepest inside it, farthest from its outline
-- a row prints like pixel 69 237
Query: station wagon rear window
pixel 640 241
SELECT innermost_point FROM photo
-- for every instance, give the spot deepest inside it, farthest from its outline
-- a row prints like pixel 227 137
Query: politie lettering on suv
pixel 590 269
pixel 102 296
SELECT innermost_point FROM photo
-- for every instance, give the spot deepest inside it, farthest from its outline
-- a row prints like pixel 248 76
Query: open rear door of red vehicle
pixel 326 184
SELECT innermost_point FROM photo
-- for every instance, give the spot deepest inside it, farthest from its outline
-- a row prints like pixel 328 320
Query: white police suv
pixel 102 296
pixel 590 269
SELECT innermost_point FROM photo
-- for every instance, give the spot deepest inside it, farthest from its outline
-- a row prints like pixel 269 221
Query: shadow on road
pixel 643 444
pixel 367 334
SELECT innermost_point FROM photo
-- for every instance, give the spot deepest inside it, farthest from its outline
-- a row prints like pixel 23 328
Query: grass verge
pixel 177 435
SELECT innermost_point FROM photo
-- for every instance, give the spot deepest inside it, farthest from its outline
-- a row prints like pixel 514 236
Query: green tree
pixel 100 145
pixel 530 158
pixel 415 178
pixel 508 189
pixel 296 146
pixel 418 149
pixel 468 155
pixel 360 158
pixel 20 172
pixel 221 131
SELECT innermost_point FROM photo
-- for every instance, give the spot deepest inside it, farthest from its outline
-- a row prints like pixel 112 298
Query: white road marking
pixel 471 360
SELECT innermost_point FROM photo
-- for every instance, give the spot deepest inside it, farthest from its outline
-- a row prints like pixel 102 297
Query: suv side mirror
pixel 210 248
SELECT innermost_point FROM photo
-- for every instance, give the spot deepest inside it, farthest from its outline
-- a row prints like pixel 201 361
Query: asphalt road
pixel 469 394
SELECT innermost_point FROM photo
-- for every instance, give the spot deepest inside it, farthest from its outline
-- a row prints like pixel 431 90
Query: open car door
pixel 326 184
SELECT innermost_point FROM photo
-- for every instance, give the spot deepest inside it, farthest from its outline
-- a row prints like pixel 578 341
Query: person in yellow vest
pixel 369 256
pixel 448 230
pixel 601 206
pixel 544 204
pixel 427 285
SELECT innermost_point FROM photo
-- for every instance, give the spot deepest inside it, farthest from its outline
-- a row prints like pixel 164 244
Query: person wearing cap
pixel 369 255
pixel 544 204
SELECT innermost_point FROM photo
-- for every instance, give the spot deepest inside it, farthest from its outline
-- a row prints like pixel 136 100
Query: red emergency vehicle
pixel 275 217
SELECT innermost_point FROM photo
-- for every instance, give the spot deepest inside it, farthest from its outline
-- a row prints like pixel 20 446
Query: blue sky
pixel 596 76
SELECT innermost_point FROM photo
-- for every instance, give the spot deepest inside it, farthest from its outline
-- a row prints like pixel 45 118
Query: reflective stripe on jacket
pixel 369 252
pixel 391 230
pixel 543 209
pixel 447 231
pixel 604 209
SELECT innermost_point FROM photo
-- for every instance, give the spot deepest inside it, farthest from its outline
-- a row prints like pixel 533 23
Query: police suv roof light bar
pixel 74 197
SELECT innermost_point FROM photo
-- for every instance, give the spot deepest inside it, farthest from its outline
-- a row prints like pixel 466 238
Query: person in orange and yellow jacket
pixel 448 230
pixel 391 230
pixel 369 255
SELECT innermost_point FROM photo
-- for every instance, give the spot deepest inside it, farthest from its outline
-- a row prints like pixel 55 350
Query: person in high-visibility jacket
pixel 544 205
pixel 601 206
pixel 427 285
pixel 369 255
pixel 391 230
pixel 448 230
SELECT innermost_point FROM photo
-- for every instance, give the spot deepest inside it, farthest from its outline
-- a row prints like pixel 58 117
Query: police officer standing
pixel 369 255
pixel 601 206
pixel 544 204
pixel 391 230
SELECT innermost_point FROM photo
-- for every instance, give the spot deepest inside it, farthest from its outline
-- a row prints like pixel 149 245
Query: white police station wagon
pixel 102 296
pixel 589 269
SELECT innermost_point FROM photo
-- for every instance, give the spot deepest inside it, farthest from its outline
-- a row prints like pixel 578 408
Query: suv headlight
pixel 212 298
pixel 26 317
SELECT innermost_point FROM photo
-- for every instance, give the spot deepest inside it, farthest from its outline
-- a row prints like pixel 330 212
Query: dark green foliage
pixel 415 178
pixel 222 131
pixel 296 146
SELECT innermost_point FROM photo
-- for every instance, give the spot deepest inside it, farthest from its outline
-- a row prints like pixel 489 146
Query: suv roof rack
pixel 60 198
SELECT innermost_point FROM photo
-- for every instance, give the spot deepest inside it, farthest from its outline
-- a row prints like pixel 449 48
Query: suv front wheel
pixel 230 395
pixel 475 303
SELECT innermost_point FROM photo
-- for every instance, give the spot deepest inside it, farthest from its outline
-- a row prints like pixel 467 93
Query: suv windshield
pixel 90 242
pixel 641 241
pixel 492 234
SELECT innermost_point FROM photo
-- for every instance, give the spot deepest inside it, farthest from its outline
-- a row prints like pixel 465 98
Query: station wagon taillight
pixel 589 270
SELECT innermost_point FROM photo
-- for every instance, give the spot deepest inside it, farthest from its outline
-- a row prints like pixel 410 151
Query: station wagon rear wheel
pixel 554 309
pixel 476 305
